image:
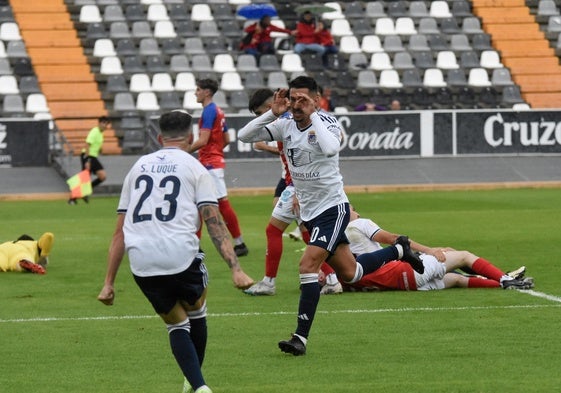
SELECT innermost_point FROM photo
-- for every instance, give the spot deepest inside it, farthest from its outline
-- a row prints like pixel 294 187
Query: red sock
pixel 274 250
pixel 478 282
pixel 306 236
pixel 326 269
pixel 229 217
pixel 487 269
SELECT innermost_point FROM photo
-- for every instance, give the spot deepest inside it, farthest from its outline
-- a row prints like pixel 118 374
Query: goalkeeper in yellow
pixel 26 254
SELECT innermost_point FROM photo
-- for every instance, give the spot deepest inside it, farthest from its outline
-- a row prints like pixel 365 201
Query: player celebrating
pixel 311 142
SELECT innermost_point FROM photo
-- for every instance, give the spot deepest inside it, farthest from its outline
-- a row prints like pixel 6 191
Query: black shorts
pixel 328 229
pixel 281 185
pixel 163 292
pixel 95 165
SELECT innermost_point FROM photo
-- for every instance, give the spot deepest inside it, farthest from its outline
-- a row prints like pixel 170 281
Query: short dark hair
pixel 175 124
pixel 304 82
pixel 258 98
pixel 208 83
pixel 103 119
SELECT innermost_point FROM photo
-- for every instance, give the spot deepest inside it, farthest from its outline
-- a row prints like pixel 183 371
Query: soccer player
pixel 164 197
pixel 213 137
pixel 284 213
pixel 26 254
pixel 440 265
pixel 311 141
pixel 90 157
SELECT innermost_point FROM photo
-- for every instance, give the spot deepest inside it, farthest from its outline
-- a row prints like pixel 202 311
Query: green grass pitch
pixel 56 337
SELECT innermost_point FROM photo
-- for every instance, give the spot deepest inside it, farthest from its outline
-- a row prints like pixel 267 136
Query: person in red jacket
pixel 326 40
pixel 307 38
pixel 258 40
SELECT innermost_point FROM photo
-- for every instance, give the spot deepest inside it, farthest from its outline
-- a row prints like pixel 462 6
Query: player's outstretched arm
pixel 221 239
pixel 116 254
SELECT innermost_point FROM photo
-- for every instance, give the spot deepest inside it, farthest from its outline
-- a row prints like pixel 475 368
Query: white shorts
pixel 283 209
pixel 219 183
pixel 433 276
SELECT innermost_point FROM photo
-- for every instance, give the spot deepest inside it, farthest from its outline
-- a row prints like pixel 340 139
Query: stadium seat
pixel 459 42
pixel 149 47
pixel 90 14
pixel 471 25
pixel 132 65
pixel 490 59
pixel 223 63
pixel 358 61
pixel 501 77
pixel 13 104
pixel 35 103
pixel 349 44
pixel 469 59
pixel 418 9
pixel 111 65
pixel 185 28
pixel 478 77
pixel 185 81
pixel 269 63
pixel 201 12
pixel 115 84
pixel 380 61
pixel 361 27
pixel 418 42
pixel 103 47
pixel 216 45
pixel 208 28
pixel 354 9
pixel 134 12
pixel 433 77
pixel 446 60
pixel 366 80
pixel 439 9
pixel 239 99
pixel 155 64
pixel 164 29
pixel 449 26
pixel 118 30
pixel 456 78
pixel 29 84
pixel 16 49
pixel 424 60
pixel 340 28
pixel 375 10
pixel 428 25
pixel 126 47
pixel 201 63
pixel 291 62
pixel 371 44
pixel 9 31
pixel 8 85
pixel 169 100
pixel 190 101
pixel 511 95
pixel 113 13
pixel 246 63
pixel 140 83
pixel 403 61
pixel 385 26
pixel 481 41
pixel 171 45
pixel 231 81
pixel 389 79
pixel 405 26
pixel 141 29
pixel 461 8
pixel 147 101
pixel 179 63
pixel 194 46
pixel 437 42
pixel 220 99
pixel 411 78
pixel 333 15
pixel 277 80
pixel 393 43
pixel 157 12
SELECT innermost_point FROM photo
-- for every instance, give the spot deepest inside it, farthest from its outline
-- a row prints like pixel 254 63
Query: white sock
pixel 269 280
pixel 331 279
pixel 399 248
pixel 303 339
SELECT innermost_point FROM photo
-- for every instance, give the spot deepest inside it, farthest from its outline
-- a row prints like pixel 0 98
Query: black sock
pixel 186 357
pixel 372 261
pixel 309 299
pixel 96 182
pixel 199 337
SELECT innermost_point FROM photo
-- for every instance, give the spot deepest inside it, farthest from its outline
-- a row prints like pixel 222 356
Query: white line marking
pixel 543 295
pixel 245 314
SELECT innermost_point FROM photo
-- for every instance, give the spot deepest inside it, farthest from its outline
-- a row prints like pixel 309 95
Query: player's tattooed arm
pixel 219 235
pixel 221 238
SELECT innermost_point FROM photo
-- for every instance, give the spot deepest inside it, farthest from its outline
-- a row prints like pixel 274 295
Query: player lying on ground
pixel 26 254
pixel 365 236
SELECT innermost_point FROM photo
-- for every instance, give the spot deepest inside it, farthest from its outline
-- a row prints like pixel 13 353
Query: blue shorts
pixel 328 229
pixel 163 292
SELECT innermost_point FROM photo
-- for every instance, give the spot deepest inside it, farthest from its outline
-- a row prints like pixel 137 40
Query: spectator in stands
pixel 257 40
pixel 89 156
pixel 326 40
pixel 325 100
pixel 307 35
pixel 395 105
pixel 213 137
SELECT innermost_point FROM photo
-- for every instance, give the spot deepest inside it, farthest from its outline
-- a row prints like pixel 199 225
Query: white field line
pixel 351 311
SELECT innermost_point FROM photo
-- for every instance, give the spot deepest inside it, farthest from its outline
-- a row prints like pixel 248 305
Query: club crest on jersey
pixel 312 140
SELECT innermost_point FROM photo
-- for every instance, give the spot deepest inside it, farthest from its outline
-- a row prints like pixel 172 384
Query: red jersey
pixel 263 36
pixel 213 119
pixel 394 275
pixel 287 177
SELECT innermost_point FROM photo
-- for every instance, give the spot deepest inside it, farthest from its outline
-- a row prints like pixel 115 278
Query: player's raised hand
pixel 280 102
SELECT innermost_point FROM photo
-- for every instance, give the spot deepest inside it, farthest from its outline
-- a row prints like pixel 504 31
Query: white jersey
pixel 160 198
pixel 360 232
pixel 312 154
